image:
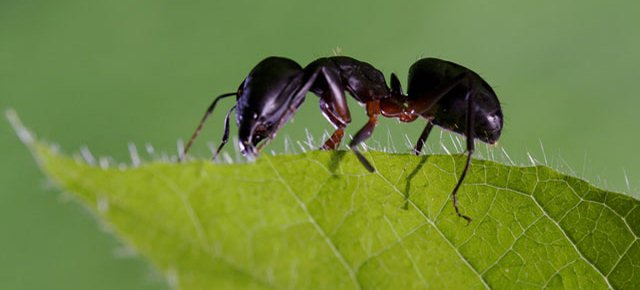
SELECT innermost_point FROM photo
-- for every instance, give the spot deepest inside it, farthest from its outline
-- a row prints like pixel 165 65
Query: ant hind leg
pixel 470 150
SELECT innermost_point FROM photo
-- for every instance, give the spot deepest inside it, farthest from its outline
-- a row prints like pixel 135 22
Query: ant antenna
pixel 225 136
pixel 206 115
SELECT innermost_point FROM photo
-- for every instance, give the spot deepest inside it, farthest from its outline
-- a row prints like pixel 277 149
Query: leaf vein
pixel 422 213
pixel 319 229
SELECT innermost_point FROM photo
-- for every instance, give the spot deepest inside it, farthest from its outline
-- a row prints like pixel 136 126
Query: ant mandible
pixel 444 93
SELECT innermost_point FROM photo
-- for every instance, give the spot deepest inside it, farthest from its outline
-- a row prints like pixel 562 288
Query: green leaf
pixel 319 221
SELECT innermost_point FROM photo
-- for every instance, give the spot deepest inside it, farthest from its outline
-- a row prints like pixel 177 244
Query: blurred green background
pixel 105 73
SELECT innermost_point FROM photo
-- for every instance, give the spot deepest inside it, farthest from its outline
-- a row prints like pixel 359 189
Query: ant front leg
pixel 334 140
pixel 373 110
pixel 333 102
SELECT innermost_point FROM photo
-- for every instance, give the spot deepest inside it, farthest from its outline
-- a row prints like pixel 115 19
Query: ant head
pixel 266 99
pixel 245 139
pixel 259 119
pixel 253 129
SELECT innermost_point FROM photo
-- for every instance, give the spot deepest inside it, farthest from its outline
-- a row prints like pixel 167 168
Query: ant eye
pixel 255 116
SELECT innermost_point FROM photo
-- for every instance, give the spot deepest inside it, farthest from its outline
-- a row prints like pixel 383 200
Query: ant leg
pixel 470 149
pixel 334 141
pixel 373 110
pixel 225 136
pixel 333 105
pixel 308 79
pixel 297 89
pixel 423 138
pixel 197 131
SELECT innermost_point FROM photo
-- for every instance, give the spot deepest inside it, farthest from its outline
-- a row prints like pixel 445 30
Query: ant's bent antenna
pixel 206 115
pixel 225 137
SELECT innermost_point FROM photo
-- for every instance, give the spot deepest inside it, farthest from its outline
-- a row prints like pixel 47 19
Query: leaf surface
pixel 319 221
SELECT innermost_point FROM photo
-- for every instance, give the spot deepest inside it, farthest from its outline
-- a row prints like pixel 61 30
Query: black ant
pixel 444 93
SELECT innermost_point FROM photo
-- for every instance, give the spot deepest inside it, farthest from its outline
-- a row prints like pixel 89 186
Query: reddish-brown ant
pixel 444 93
